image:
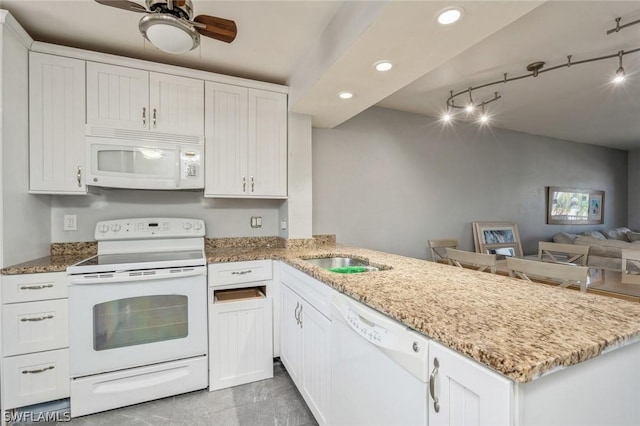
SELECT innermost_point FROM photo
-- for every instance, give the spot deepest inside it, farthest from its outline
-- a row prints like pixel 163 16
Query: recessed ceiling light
pixel 345 95
pixel 450 15
pixel 383 65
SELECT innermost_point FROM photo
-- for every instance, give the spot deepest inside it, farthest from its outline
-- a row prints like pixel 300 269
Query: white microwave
pixel 144 164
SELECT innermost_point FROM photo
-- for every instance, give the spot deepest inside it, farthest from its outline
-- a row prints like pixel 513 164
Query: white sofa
pixel 605 247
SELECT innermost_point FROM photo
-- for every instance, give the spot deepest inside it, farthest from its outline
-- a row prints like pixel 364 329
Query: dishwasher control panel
pixel 372 332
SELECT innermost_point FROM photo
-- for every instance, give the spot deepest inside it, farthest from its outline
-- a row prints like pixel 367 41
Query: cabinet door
pixel 240 343
pixel 225 140
pixel 316 363
pixel 267 141
pixel 467 392
pixel 291 334
pixel 117 97
pixel 56 124
pixel 176 104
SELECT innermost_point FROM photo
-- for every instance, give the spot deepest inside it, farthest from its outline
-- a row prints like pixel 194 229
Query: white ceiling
pixel 320 48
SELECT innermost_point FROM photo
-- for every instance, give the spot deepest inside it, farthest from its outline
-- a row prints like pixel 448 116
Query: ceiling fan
pixel 170 26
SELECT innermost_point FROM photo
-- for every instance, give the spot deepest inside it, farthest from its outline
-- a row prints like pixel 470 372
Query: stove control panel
pixel 148 228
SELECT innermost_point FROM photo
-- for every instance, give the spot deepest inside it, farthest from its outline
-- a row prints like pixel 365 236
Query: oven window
pixel 139 320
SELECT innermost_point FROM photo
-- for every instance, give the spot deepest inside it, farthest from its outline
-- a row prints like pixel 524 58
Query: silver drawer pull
pixel 41 370
pixel 35 287
pixel 248 271
pixel 36 318
pixel 432 385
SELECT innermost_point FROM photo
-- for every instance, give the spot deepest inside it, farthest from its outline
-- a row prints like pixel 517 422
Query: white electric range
pixel 138 314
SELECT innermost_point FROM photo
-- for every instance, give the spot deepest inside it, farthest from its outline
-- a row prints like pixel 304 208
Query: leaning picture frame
pixel 499 238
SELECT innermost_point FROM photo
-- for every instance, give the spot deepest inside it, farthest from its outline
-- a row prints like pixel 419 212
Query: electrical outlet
pixel 70 222
pixel 256 221
pixel 283 224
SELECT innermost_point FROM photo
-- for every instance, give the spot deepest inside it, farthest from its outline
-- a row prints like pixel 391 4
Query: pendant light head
pixel 620 74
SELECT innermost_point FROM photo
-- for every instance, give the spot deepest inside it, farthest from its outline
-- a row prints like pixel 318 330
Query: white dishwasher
pixel 379 368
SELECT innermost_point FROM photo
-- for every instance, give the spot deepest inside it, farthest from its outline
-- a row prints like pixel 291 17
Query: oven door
pixel 118 325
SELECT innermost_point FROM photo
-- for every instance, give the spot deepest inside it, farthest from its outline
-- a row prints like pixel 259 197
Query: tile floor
pixel 268 402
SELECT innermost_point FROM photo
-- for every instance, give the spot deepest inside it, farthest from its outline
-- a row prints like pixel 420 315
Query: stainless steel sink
pixel 341 262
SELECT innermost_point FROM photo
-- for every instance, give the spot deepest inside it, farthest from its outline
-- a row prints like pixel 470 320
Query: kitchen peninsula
pixel 547 341
pixel 493 319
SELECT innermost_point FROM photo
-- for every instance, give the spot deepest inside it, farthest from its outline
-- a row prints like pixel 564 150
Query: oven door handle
pixel 133 276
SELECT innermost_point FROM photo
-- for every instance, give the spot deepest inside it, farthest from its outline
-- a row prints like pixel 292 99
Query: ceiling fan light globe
pixel 169 34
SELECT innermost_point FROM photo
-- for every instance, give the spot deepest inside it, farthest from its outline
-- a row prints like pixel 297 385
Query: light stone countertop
pixel 519 329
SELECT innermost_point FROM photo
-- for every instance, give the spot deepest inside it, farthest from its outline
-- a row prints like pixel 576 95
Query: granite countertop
pixel 522 330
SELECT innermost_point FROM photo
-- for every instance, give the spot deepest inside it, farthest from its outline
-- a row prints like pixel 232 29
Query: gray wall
pixel 390 180
pixel 25 218
pixel 223 217
pixel 634 189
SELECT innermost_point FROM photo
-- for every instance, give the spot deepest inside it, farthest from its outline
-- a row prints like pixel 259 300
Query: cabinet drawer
pixel 34 326
pixel 239 272
pixel 32 287
pixel 35 378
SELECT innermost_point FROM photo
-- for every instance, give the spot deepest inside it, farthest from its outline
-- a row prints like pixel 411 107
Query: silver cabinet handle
pixel 41 370
pixel 432 385
pixel 244 183
pixel 36 318
pixel 300 315
pixel 252 184
pixel 295 313
pixel 35 287
pixel 154 118
pixel 79 176
pixel 144 117
pixel 248 271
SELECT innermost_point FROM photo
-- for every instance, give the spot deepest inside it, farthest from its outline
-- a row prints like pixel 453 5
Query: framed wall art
pixel 570 206
pixel 500 238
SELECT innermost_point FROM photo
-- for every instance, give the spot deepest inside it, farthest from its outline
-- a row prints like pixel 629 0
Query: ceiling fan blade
pixel 214 27
pixel 124 4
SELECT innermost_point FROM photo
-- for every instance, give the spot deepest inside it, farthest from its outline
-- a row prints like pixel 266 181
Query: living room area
pixel 418 180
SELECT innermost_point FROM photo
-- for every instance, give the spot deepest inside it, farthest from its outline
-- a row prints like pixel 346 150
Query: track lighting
pixel 534 70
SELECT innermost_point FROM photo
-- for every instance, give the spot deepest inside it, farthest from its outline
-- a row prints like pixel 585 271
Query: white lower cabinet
pixel 305 339
pixel 240 323
pixel 35 339
pixel 463 392
pixel 35 378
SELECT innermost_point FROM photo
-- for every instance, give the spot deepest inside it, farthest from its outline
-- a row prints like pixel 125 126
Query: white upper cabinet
pixel 128 98
pixel 56 124
pixel 267 143
pixel 246 142
pixel 225 140
pixel 176 104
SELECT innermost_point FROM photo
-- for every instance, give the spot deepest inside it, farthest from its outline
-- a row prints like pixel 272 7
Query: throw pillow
pixel 633 236
pixel 617 234
pixel 564 238
pixel 595 234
